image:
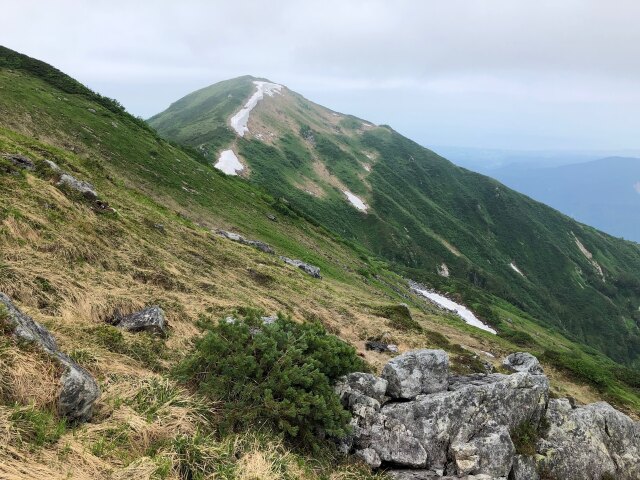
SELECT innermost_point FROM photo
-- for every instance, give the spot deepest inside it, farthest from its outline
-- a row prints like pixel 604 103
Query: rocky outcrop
pixel 20 161
pixel 78 390
pixel 523 362
pixel 72 183
pixel 413 373
pixel 151 319
pixel 429 424
pixel 252 243
pixel 589 442
pixel 305 267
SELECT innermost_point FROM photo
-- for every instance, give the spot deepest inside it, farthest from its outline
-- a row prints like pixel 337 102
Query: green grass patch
pixel 37 428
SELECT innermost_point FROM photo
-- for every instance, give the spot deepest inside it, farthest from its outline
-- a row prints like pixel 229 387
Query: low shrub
pixel 399 317
pixel 277 375
pixel 518 337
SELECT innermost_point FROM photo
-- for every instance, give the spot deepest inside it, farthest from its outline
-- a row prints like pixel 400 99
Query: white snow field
pixel 355 201
pixel 229 163
pixel 462 311
pixel 515 268
pixel 240 120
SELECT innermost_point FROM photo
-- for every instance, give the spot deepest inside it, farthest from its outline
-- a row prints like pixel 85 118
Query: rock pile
pixel 78 390
pixel 418 422
pixel 305 267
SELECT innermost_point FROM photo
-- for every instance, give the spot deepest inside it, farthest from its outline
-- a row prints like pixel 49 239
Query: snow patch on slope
pixel 355 201
pixel 229 163
pixel 240 120
pixel 448 304
pixel 515 268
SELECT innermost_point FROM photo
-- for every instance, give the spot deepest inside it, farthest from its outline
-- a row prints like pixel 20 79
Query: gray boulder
pixel 305 267
pixel 489 451
pixel 79 390
pixel 20 161
pixel 369 456
pixel 524 468
pixel 523 362
pixel 589 442
pixel 416 372
pixel 252 243
pixel 85 188
pixel 439 420
pixel 360 384
pixel 78 393
pixel 151 319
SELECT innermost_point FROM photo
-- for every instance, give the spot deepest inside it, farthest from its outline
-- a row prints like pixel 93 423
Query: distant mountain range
pixel 604 193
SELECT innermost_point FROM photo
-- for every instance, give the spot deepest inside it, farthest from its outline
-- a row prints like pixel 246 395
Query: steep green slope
pixel 425 212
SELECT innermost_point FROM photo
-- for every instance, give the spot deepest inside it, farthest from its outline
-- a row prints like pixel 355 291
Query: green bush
pixel 518 337
pixel 399 317
pixel 278 375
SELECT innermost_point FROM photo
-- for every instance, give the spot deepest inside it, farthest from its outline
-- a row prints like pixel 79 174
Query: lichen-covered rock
pixel 20 161
pixel 358 384
pixel 252 243
pixel 369 456
pixel 524 468
pixel 78 390
pixel 523 362
pixel 78 393
pixel 440 419
pixel 151 319
pixel 489 451
pixel 464 431
pixel 85 188
pixel 305 267
pixel 416 372
pixel 26 328
pixel 590 442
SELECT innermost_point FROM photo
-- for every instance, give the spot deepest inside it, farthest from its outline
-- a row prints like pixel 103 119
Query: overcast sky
pixel 507 74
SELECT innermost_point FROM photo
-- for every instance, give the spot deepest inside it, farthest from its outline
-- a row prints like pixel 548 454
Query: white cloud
pixel 503 73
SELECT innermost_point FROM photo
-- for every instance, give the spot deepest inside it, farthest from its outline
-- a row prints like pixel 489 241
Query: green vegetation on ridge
pixel 425 211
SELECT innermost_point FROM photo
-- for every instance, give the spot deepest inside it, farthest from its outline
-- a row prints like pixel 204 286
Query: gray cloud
pixel 487 73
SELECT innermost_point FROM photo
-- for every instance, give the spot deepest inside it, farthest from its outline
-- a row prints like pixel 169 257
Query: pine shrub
pixel 278 375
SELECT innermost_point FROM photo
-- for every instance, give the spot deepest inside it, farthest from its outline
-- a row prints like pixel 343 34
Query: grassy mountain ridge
pixel 425 211
pixel 71 267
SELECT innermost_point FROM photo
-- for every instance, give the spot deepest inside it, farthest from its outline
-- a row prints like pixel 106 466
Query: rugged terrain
pixel 100 217
pixel 457 230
